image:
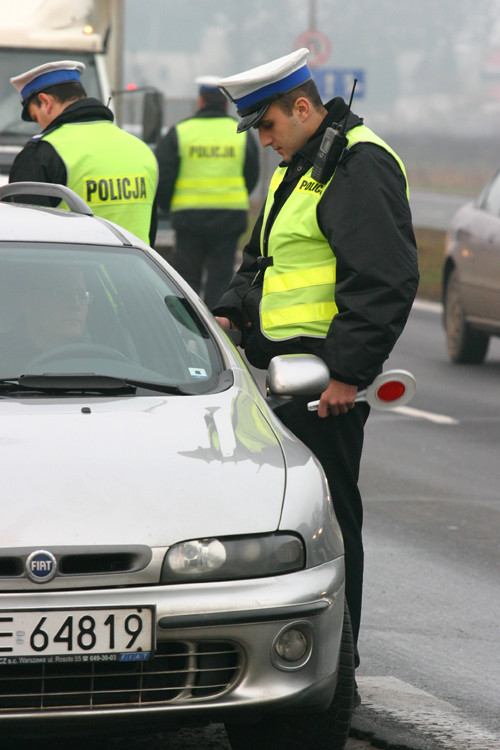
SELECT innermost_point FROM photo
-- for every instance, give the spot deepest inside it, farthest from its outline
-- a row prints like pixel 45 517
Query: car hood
pixel 138 470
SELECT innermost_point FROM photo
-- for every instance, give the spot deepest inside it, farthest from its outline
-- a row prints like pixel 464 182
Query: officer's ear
pixel 46 103
pixel 44 98
pixel 301 108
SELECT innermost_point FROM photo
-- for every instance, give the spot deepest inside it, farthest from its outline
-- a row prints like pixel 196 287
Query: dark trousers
pixel 201 254
pixel 337 442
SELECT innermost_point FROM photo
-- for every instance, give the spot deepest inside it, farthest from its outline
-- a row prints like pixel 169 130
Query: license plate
pixel 76 635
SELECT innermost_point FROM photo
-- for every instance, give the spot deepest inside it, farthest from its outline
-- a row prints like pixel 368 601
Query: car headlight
pixel 230 558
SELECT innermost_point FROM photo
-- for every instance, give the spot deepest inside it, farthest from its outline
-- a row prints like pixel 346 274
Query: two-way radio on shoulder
pixel 332 147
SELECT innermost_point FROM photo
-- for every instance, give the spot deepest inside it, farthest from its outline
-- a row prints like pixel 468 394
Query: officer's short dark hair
pixel 308 90
pixel 63 92
pixel 213 98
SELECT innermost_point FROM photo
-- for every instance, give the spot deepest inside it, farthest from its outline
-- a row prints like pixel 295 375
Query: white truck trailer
pixel 33 32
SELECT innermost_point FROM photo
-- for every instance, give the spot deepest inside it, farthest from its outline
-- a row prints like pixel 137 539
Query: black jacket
pixel 40 162
pixel 365 216
pixel 213 221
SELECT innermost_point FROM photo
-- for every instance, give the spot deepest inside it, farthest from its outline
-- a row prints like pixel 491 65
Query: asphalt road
pixel 430 670
pixel 209 738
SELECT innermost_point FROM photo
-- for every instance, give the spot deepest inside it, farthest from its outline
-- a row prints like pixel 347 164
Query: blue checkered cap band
pixel 37 79
pixel 254 88
pixel 272 91
pixel 49 79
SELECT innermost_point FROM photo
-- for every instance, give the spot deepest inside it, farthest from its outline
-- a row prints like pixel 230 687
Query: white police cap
pixel 254 90
pixel 208 83
pixel 40 78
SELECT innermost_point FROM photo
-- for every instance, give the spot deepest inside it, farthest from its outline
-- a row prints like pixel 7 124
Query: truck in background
pixel 33 32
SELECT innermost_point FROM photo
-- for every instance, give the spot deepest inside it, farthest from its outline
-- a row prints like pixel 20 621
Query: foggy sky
pixel 425 61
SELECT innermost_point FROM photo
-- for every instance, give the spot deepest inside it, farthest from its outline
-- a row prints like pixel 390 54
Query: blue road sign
pixel 338 82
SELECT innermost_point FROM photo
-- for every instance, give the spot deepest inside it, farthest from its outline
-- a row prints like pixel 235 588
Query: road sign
pixel 318 44
pixel 338 82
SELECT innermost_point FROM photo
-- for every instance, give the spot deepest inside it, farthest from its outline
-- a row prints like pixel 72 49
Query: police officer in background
pixel 80 147
pixel 207 171
pixel 330 269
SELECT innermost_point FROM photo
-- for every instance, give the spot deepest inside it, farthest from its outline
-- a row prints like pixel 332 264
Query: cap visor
pixel 249 121
pixel 25 115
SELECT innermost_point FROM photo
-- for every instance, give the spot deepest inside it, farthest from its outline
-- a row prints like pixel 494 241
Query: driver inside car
pixel 53 311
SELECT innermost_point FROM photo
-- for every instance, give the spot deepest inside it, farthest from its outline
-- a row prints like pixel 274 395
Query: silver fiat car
pixel 168 549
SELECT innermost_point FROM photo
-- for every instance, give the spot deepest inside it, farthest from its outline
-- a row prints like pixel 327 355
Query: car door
pixel 485 251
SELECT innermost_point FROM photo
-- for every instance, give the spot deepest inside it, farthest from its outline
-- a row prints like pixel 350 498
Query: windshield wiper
pixel 87 382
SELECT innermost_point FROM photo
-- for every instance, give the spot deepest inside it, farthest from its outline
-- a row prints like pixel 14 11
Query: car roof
pixel 22 222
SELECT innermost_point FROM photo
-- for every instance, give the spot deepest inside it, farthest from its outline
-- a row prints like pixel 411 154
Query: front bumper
pixel 215 656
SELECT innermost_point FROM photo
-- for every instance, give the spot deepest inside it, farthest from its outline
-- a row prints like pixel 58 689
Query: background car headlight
pixel 230 558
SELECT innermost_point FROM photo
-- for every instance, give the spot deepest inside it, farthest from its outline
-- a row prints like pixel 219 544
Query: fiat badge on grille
pixel 41 566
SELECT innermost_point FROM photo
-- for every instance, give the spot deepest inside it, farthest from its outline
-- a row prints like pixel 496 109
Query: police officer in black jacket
pixel 81 147
pixel 330 269
pixel 207 172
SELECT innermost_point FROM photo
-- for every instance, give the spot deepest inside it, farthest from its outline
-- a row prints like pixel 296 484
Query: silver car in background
pixel 168 549
pixel 471 277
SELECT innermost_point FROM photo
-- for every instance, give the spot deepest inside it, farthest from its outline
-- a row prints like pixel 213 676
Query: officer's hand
pixel 337 399
pixel 226 323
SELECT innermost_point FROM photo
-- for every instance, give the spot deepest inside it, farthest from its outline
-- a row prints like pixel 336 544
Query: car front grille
pixel 79 561
pixel 180 672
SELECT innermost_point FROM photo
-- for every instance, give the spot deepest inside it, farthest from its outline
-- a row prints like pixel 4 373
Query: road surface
pixel 430 640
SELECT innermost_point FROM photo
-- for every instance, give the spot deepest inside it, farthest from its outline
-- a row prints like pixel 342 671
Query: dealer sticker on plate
pixel 76 635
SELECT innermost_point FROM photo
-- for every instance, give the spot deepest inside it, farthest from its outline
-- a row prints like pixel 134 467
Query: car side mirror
pixel 296 375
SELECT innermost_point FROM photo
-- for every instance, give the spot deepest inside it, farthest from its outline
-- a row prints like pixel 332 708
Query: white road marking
pixel 430 716
pixel 408 411
pixel 435 307
pixel 422 304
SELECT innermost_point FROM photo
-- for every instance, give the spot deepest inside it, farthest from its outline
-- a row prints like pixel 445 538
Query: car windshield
pixel 102 311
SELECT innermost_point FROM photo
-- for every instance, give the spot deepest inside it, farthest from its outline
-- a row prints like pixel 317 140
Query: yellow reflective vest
pixel 112 170
pixel 298 296
pixel 212 157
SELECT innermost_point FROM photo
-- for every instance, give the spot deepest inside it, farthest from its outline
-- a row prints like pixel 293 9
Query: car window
pixel 489 199
pixel 102 310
